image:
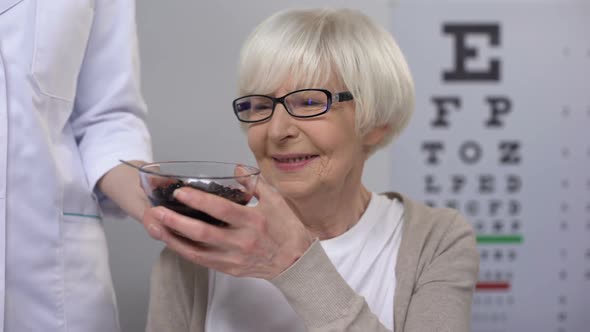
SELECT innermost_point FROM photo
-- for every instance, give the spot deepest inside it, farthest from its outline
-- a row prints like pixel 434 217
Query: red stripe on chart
pixel 492 286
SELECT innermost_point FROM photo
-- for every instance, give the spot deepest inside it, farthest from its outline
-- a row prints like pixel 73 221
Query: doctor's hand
pixel 121 185
pixel 260 241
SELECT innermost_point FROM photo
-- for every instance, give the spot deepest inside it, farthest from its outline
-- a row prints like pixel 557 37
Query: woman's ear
pixel 375 136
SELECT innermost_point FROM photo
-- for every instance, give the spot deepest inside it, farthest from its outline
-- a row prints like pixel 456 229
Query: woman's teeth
pixel 294 160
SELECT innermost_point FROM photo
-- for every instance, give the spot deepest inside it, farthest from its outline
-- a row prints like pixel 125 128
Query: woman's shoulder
pixel 438 240
pixel 429 232
pixel 436 267
pixel 420 218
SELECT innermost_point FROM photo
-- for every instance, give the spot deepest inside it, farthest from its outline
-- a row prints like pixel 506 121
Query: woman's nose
pixel 282 125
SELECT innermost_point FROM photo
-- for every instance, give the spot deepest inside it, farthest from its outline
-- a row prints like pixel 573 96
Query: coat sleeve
pixel 171 294
pixel 442 297
pixel 109 113
pixel 322 298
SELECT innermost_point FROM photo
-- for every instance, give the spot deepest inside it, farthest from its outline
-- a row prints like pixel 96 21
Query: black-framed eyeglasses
pixel 305 103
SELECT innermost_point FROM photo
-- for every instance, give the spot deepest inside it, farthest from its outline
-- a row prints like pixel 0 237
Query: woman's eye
pixel 262 107
pixel 245 106
pixel 309 102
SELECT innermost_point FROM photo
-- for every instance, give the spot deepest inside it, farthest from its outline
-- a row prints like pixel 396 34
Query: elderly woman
pixel 321 90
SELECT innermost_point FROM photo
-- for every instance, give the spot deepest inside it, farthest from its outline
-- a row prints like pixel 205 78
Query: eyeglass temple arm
pixel 343 96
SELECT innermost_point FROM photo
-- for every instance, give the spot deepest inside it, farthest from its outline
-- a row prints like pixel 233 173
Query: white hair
pixel 314 46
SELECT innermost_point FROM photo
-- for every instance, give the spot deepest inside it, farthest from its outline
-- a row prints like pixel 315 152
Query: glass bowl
pixel 235 182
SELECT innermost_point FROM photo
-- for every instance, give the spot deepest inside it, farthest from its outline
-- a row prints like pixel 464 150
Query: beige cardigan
pixel 436 271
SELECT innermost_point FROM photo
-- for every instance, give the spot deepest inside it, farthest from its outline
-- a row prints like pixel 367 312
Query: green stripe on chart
pixel 500 239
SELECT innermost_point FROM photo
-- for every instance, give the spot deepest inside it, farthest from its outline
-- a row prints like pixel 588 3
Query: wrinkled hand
pixel 260 242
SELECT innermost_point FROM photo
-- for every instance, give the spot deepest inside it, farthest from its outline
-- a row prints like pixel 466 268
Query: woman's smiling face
pixel 303 157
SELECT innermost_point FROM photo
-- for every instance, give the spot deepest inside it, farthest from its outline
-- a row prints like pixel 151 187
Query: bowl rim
pixel 254 170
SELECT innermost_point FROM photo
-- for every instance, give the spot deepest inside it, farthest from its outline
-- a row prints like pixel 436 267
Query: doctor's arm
pixel 109 111
pixel 121 185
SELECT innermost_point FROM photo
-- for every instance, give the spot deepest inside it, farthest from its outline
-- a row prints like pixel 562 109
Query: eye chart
pixel 501 132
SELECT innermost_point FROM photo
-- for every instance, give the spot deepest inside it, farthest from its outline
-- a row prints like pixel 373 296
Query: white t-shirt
pixel 365 256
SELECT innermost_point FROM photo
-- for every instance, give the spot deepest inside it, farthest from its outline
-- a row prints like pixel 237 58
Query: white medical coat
pixel 70 107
